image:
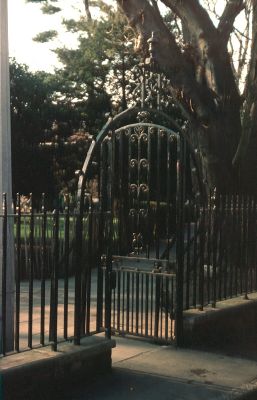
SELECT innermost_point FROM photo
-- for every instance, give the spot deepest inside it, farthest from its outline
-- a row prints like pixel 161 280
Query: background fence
pixel 218 250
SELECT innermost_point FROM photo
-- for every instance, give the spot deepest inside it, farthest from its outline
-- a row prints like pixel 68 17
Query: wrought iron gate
pixel 139 181
pixel 139 176
pixel 140 173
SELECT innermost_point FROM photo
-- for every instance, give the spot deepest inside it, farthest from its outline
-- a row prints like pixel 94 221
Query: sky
pixel 25 21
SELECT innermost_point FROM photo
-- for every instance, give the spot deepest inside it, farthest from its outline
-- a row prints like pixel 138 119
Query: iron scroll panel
pixel 123 120
pixel 140 173
pixel 139 180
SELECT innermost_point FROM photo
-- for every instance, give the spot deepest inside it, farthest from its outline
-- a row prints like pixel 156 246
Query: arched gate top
pixel 122 122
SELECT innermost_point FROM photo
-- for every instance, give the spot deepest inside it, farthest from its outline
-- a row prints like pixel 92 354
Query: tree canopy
pixel 205 67
pixel 38 118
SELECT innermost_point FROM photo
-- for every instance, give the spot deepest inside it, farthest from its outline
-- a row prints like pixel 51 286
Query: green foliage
pixel 50 9
pixel 95 74
pixel 46 36
pixel 98 69
pixel 33 110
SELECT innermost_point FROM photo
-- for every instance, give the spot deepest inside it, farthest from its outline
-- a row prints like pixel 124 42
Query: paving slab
pixel 191 371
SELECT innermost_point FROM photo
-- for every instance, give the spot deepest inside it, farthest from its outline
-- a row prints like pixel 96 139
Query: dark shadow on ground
pixel 122 384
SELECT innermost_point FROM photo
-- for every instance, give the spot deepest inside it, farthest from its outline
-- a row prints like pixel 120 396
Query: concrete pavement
pixel 166 372
pixel 143 370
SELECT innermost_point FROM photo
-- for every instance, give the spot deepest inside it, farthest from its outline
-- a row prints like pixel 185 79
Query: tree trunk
pixel 201 77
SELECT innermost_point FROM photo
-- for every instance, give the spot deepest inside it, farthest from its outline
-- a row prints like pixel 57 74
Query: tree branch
pixel 231 11
pixel 250 95
pixel 88 13
pixel 172 61
pixel 195 16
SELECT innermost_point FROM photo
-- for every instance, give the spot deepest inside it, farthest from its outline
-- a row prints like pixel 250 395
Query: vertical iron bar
pixel 172 307
pixel 230 254
pixel 137 300
pixel 18 272
pixel 142 303
pixel 31 273
pixel 151 305
pixel 209 238
pixel 161 307
pixel 237 224
pixel 226 245
pixel 167 306
pixel 121 193
pixel 43 268
pixel 132 301
pixel 201 260
pixel 112 142
pixel 89 264
pixel 168 194
pixel 78 270
pixel 240 244
pixel 188 264
pixel 250 222
pixel 221 239
pixel 118 301
pixel 4 272
pixel 114 299
pixel 158 186
pixel 84 270
pixel 123 301
pixel 66 263
pixel 214 253
pixel 54 280
pixel 157 304
pixel 127 300
pixel 195 254
pixel 146 303
pixel 102 215
pixel 149 170
pixel 255 240
pixel 245 243
pixel 180 240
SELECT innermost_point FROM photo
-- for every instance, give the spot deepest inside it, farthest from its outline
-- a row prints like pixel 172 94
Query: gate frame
pixel 117 123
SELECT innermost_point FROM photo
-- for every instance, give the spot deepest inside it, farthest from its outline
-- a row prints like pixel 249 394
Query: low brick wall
pixel 231 322
pixel 27 375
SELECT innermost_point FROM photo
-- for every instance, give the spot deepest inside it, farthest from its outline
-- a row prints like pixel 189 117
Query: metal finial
pixel 152 42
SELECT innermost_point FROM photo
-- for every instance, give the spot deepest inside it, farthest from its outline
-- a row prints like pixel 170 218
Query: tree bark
pixel 247 152
pixel 202 77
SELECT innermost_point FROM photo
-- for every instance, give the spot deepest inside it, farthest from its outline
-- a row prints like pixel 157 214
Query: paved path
pixel 143 370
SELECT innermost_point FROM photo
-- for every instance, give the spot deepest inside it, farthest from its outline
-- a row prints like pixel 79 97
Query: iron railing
pixel 220 250
pixel 72 279
pixel 52 269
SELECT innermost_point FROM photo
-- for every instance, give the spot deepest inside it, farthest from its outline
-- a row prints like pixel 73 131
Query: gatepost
pixel 6 243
